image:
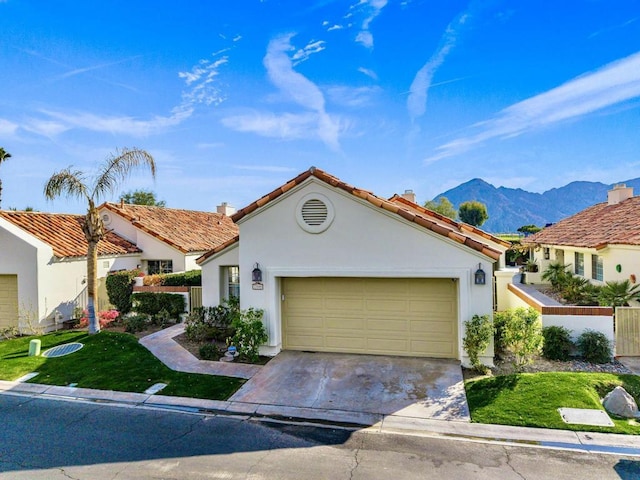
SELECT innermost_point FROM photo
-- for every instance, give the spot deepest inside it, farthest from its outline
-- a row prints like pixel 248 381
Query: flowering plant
pixel 105 317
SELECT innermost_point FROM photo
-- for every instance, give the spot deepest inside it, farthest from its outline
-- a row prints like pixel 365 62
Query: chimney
pixel 409 195
pixel 225 209
pixel 619 194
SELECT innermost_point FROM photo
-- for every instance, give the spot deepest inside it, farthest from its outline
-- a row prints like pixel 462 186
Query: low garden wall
pixel 574 318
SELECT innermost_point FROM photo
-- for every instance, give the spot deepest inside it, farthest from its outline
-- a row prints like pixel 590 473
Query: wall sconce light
pixel 256 274
pixel 480 277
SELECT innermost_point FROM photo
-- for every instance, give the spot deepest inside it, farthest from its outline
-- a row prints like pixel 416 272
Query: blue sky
pixel 234 98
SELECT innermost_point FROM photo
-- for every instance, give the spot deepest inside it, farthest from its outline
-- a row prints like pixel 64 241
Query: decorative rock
pixel 619 402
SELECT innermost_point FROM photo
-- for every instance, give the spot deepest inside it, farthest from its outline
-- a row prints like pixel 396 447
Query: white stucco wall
pixel 363 241
pixel 212 281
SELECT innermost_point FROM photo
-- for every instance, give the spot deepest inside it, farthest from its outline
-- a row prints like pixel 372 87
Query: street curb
pixel 373 423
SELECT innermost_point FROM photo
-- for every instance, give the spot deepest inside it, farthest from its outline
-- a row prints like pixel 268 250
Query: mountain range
pixel 511 208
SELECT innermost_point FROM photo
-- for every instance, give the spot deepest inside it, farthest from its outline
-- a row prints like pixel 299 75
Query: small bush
pixel 499 345
pixel 152 303
pixel 119 288
pixel 212 323
pixel 154 280
pixel 594 347
pixel 210 351
pixel 557 343
pixel 136 323
pixel 477 338
pixel 522 333
pixel 162 318
pixel 250 333
pixel 105 318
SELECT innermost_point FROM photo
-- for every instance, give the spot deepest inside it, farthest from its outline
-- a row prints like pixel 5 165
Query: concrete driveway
pixel 403 386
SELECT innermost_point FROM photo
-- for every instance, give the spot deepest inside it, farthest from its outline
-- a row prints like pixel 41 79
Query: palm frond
pixel 66 182
pixel 118 167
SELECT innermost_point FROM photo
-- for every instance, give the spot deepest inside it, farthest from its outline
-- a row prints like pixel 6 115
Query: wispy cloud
pixel 610 85
pixel 417 100
pixel 615 27
pixel 372 9
pixel 369 73
pixel 79 71
pixel 353 97
pixel 335 27
pixel 7 128
pixel 314 46
pixel 200 80
pixel 315 122
pixel 46 128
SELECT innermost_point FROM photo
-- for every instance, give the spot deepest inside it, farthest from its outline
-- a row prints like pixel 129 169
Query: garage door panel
pixel 8 301
pixel 416 317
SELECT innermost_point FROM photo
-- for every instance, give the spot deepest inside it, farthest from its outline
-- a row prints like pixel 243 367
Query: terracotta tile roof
pixel 218 249
pixel 459 226
pixel 423 219
pixel 189 231
pixel 595 227
pixel 64 233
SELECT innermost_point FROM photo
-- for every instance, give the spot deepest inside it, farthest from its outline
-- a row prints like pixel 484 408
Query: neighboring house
pixel 343 270
pixel 600 243
pixel 170 239
pixel 43 266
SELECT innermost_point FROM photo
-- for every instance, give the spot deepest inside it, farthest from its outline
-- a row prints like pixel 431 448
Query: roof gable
pixel 410 212
pixel 189 231
pixel 63 232
pixel 595 227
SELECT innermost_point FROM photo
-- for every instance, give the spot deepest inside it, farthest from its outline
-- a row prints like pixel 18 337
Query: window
pixel 159 266
pixel 546 253
pixel 579 263
pixel 596 268
pixel 233 281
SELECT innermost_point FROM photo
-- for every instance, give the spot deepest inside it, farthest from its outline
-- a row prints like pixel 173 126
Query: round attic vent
pixel 314 213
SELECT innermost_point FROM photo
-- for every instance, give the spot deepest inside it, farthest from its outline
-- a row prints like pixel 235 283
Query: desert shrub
pixel 478 332
pixel 618 294
pixel 250 333
pixel 119 288
pixel 594 347
pixel 522 333
pixel 162 318
pixel 152 303
pixel 557 343
pixel 210 351
pixel 192 278
pixel 212 323
pixel 154 280
pixel 136 323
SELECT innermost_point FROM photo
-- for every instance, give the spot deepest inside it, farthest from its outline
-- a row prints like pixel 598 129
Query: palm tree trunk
pixel 92 286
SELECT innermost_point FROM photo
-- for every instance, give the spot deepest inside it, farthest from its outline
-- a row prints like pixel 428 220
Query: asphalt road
pixel 54 439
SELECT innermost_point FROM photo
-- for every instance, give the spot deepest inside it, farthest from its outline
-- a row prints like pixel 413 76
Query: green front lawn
pixel 533 399
pixel 108 361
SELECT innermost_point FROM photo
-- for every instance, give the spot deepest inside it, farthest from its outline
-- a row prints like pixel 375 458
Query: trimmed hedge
pixel 119 288
pixel 152 303
pixel 192 278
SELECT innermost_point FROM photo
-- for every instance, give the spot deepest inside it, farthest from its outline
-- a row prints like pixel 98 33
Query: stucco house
pixel 339 269
pixel 170 239
pixel 601 243
pixel 43 266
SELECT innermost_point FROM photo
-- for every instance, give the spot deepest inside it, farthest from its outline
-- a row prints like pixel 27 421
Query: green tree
pixel 473 212
pixel 142 197
pixel 443 206
pixel 75 183
pixel 4 155
pixel 529 229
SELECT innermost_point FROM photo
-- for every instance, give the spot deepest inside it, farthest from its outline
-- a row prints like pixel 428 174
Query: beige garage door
pixel 414 317
pixel 8 301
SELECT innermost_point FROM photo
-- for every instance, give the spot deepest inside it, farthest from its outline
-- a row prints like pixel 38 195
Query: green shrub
pixel 594 347
pixel 119 289
pixel 152 303
pixel 192 278
pixel 136 323
pixel 212 323
pixel 478 332
pixel 210 351
pixel 162 318
pixel 557 343
pixel 250 333
pixel 499 345
pixel 522 333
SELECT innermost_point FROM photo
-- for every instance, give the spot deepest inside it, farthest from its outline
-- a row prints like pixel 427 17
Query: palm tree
pixel 557 274
pixel 74 183
pixel 4 155
pixel 617 294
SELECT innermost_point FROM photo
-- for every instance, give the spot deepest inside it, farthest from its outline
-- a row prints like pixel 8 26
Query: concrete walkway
pixel 632 363
pixel 169 352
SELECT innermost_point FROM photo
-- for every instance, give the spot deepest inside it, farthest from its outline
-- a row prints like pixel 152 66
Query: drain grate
pixel 62 350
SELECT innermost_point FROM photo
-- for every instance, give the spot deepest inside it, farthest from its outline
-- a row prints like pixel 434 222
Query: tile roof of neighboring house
pixel 64 233
pixel 595 227
pixel 424 218
pixel 189 231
